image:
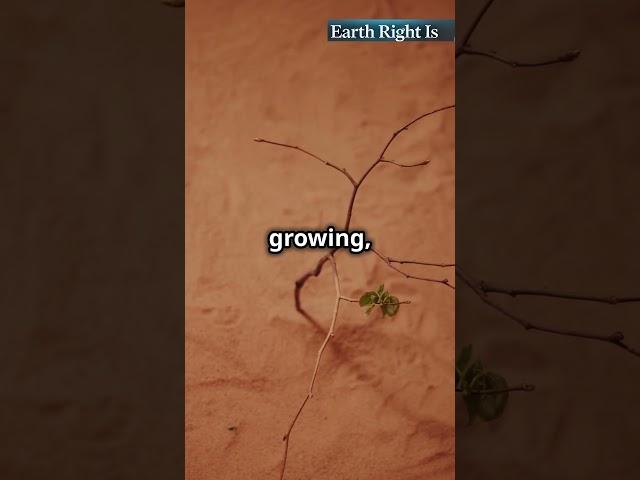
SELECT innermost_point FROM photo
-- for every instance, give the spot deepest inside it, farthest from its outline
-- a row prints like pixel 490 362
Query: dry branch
pixel 515 292
pixel 615 338
pixel 565 57
pixel 443 281
pixel 476 21
pixel 173 3
pixel 328 337
pixel 465 48
pixel 416 262
pixel 419 164
pixel 313 155
pixel 380 158
pixel 525 387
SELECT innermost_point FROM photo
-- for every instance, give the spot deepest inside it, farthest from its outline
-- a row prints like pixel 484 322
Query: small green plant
pixel 382 298
pixel 485 393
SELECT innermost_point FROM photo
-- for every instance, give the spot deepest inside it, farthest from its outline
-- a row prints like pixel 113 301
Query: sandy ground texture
pixel 383 407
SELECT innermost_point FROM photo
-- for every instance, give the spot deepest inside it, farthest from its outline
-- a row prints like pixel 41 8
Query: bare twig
pixel 476 21
pixel 481 289
pixel 300 282
pixel 615 338
pixel 342 170
pixel 514 292
pixel 416 262
pixel 525 387
pixel 395 134
pixel 565 57
pixel 419 164
pixel 443 281
pixel 328 337
pixel 465 48
pixel 534 292
pixel 174 3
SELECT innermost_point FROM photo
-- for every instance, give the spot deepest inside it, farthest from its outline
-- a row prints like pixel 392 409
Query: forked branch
pixel 476 21
pixel 481 289
pixel 313 155
pixel 389 262
pixel 317 268
pixel 465 48
pixel 615 338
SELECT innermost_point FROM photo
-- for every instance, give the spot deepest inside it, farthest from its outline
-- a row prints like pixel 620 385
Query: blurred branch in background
pixel 173 3
pixel 465 47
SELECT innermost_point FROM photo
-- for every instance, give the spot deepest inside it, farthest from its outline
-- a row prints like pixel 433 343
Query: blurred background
pixel 546 196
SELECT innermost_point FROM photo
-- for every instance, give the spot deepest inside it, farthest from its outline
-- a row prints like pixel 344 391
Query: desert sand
pixel 384 402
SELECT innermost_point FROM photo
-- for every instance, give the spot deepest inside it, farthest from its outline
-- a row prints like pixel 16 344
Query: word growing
pixel 355 241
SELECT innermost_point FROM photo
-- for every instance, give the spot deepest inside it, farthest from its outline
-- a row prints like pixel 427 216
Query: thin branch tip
pixel 540 292
pixel 342 170
pixel 571 55
pixel 174 3
pixel 419 164
pixel 525 387
pixel 617 337
pixel 493 55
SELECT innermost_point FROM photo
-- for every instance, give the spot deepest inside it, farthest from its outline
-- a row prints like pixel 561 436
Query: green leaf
pixel 392 306
pixel 370 308
pixel 368 298
pixel 384 298
pixel 380 289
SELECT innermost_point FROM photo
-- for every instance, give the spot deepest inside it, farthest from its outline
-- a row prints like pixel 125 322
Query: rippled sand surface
pixel 383 407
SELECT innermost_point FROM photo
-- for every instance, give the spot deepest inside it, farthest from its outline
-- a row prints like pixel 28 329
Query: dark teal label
pixel 390 30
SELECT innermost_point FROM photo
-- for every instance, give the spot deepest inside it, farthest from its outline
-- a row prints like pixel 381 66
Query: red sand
pixel 383 407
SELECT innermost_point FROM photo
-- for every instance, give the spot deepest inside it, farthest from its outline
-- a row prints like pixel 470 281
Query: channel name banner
pixel 390 30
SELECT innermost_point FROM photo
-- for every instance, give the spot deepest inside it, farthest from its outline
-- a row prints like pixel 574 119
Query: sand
pixel 383 407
